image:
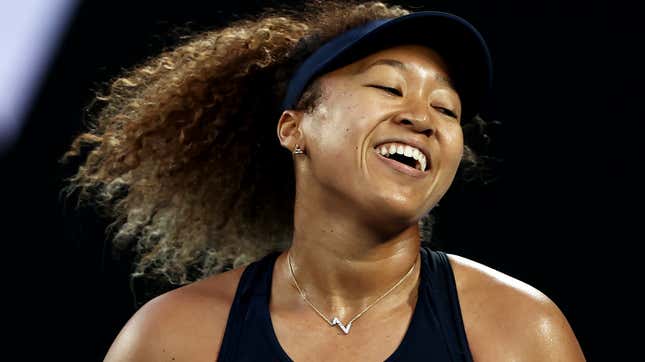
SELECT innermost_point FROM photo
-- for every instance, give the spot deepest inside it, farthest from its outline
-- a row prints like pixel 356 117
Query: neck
pixel 342 264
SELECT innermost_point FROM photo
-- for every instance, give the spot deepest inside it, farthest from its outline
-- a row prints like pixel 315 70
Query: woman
pixel 373 111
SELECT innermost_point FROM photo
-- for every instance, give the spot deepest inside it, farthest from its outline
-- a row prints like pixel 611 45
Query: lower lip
pixel 405 169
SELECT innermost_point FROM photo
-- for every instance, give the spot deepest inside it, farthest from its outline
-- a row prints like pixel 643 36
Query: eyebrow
pixel 404 67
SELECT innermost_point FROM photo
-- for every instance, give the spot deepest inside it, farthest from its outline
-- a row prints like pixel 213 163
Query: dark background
pixel 560 214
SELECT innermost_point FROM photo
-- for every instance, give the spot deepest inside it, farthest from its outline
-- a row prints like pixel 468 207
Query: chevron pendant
pixel 341 325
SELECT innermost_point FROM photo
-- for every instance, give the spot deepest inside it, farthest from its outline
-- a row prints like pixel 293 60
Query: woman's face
pixel 399 94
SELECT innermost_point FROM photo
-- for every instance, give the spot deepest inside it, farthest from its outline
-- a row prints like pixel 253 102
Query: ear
pixel 288 129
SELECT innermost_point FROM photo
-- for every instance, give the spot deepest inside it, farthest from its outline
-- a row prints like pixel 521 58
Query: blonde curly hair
pixel 183 155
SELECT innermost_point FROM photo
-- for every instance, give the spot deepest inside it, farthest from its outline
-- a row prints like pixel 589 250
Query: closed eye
pixel 388 89
pixel 398 93
pixel 448 112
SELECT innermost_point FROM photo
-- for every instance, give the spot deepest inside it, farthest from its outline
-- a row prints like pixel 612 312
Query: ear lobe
pixel 288 129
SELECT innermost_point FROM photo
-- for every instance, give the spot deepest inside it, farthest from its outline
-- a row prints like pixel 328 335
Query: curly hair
pixel 182 153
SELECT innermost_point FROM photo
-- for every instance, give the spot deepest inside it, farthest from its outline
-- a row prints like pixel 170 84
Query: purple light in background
pixel 30 31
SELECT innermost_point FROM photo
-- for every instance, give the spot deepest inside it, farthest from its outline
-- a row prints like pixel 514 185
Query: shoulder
pixel 187 323
pixel 507 319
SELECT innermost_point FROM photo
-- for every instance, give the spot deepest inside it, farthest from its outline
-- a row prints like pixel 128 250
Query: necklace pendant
pixel 341 325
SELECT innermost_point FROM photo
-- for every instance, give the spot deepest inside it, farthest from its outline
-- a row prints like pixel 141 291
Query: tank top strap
pixel 254 286
pixel 444 300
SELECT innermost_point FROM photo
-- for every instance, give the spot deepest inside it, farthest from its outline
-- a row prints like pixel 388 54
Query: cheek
pixel 344 125
pixel 454 141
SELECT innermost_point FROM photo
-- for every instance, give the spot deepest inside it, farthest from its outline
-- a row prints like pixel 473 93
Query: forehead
pixel 411 52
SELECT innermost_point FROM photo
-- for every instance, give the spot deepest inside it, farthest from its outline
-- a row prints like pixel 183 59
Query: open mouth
pixel 404 155
pixel 408 161
pixel 401 166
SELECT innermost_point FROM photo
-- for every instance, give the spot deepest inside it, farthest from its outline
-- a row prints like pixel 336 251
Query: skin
pixel 356 235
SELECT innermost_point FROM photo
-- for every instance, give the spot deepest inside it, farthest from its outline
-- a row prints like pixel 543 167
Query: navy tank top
pixel 435 332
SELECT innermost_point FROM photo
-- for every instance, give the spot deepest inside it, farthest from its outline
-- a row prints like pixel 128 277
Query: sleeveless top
pixel 435 332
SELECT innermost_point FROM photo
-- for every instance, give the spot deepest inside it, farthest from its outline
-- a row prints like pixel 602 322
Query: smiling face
pixel 401 95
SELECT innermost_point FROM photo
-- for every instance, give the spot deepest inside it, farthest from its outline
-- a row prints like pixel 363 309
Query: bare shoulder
pixel 187 323
pixel 507 319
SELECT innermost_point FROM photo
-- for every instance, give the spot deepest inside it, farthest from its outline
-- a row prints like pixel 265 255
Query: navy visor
pixel 453 38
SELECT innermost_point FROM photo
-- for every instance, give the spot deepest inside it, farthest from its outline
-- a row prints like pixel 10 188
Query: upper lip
pixel 412 142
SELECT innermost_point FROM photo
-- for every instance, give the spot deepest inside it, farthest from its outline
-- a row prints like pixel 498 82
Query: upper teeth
pixel 388 149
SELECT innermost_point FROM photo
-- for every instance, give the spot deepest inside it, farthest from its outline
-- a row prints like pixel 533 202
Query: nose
pixel 419 121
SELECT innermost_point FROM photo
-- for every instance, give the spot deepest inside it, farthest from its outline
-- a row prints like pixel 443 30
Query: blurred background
pixel 560 212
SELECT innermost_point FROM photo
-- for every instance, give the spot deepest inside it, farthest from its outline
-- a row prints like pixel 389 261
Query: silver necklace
pixel 336 321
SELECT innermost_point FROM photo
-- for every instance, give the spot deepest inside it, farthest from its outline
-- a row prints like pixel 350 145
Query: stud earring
pixel 298 151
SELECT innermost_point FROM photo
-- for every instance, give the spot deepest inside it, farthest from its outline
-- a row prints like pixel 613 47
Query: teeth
pixel 406 150
pixel 400 150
